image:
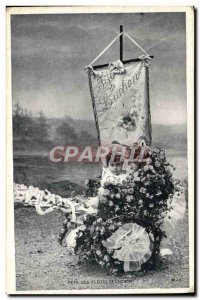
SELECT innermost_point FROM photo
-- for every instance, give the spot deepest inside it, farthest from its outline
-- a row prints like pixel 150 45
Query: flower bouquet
pixel 128 121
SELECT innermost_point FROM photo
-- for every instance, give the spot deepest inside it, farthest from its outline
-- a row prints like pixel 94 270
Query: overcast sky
pixel 49 53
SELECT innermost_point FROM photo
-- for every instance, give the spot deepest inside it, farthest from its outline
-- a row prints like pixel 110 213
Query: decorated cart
pixel 121 220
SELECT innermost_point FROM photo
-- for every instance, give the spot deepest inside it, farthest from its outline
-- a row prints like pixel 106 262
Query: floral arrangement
pixel 125 234
pixel 118 224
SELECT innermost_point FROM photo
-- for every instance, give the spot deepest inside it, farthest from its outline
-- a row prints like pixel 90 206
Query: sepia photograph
pixel 100 150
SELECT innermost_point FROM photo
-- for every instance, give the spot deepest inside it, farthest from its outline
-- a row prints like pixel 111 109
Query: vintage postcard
pixel 100 150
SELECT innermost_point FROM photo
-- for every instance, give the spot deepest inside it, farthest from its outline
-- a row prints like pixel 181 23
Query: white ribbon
pixel 110 44
pixel 105 49
pixel 134 42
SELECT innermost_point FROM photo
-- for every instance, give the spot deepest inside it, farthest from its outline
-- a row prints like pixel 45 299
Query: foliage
pixel 25 126
pixel 65 131
pixel 38 127
pixel 92 186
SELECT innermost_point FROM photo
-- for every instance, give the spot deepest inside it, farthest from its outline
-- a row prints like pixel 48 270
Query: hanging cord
pixel 110 44
pixel 105 49
pixel 134 42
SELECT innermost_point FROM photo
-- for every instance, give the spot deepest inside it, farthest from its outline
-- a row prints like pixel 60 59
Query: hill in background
pixel 169 136
pixel 164 136
pixel 68 131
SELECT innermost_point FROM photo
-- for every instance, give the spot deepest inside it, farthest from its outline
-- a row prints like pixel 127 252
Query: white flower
pixel 146 183
pixel 158 193
pixel 103 199
pixel 143 190
pixel 163 214
pixel 103 192
pixel 143 179
pixel 157 164
pixel 106 258
pixel 146 168
pixel 163 181
pixel 133 167
pixel 129 198
pixel 99 220
pixel 98 252
pixel 137 179
pixel 168 169
pixel 130 190
pixel 118 196
pixel 148 161
pixel 116 207
pixel 111 227
pixel 110 203
pixel 102 230
pixel 18 186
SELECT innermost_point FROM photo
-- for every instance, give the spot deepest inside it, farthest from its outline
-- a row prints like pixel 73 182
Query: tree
pixel 17 109
pixel 87 138
pixel 25 126
pixel 66 132
pixel 30 113
pixel 41 127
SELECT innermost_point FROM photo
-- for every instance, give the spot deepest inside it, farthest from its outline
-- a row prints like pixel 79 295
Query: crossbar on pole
pixel 121 43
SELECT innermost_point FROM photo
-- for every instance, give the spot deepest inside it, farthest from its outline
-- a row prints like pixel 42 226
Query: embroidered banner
pixel 120 99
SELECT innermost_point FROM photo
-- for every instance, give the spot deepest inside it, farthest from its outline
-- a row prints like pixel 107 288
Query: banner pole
pixel 94 107
pixel 121 43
